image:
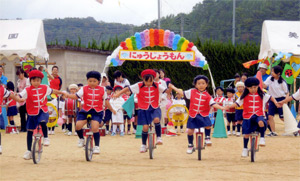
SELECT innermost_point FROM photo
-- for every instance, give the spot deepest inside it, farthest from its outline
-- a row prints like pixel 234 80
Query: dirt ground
pixel 120 159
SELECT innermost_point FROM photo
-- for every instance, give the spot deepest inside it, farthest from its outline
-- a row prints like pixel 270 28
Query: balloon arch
pixel 182 50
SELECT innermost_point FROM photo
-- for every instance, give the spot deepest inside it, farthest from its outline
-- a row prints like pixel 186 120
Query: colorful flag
pixel 295 63
pixel 128 106
pixel 287 74
pixel 250 63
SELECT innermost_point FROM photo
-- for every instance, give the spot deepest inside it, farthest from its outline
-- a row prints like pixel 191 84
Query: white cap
pixel 73 86
pixel 262 65
pixel 103 75
pixel 238 84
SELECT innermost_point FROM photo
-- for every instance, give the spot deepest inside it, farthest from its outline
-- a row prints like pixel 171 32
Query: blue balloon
pixel 201 63
pixel 138 40
pixel 114 62
pixel 175 41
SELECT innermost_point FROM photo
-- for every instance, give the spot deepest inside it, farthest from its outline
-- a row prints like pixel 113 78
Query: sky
pixel 135 12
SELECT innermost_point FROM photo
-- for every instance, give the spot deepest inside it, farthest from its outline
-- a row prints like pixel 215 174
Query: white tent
pixel 279 36
pixel 19 38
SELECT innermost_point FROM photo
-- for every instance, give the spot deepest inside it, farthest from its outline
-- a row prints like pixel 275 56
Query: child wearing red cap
pixel 37 110
pixel 118 117
pixel 148 94
pixel 200 104
pixel 93 97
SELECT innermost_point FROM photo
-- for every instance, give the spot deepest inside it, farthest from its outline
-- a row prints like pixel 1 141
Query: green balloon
pixel 205 67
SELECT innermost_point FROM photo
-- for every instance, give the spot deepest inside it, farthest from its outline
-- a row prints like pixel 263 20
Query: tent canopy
pixel 19 38
pixel 279 36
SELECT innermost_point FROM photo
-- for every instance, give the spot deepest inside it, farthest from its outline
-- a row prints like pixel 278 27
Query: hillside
pixel 211 19
pixel 86 28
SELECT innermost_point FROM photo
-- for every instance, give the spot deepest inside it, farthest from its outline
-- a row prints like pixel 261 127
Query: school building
pixel 73 63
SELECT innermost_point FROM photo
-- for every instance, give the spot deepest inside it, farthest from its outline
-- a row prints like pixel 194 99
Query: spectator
pixel 55 81
pixel 105 82
pixel 244 77
pixel 120 79
pixel 21 85
pixel 2 77
pixel 263 69
pixel 162 75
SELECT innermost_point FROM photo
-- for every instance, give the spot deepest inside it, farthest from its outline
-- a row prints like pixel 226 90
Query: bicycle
pixel 37 147
pixel 89 146
pixel 254 145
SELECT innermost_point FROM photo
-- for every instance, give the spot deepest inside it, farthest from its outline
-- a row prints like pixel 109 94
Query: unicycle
pixel 199 143
pixel 254 145
pixel 89 146
pixel 37 146
pixel 151 143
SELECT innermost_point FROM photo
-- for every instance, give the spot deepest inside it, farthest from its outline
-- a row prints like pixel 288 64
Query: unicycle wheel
pixel 199 146
pixel 252 149
pixel 37 150
pixel 151 146
pixel 89 148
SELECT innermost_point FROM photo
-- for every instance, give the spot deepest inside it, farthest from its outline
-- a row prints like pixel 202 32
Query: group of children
pixel 95 101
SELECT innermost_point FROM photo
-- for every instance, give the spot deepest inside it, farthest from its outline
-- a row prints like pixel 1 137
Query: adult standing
pixel 263 69
pixel 162 75
pixel 55 80
pixel 163 101
pixel 21 85
pixel 120 79
pixel 3 78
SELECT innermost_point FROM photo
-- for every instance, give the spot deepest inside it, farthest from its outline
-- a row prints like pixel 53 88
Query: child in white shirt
pixel 118 118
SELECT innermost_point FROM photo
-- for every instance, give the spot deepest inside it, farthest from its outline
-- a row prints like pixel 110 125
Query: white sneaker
pixel 190 149
pixel 53 133
pixel 64 130
pixel 75 133
pixel 238 133
pixel 176 131
pixel 143 149
pixel 96 150
pixel 228 133
pixel 134 131
pixel 0 149
pixel 69 133
pixel 233 132
pixel 46 141
pixel 27 155
pixel 106 132
pixel 81 143
pixel 262 142
pixel 245 152
pixel 208 142
pixel 159 141
pixel 181 130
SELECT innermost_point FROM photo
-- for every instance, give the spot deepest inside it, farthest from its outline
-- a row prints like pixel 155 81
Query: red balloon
pixel 190 45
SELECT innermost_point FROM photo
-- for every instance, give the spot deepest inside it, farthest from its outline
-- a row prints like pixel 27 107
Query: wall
pixel 73 65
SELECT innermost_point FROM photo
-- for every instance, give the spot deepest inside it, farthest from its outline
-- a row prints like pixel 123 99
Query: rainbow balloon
pixel 157 37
